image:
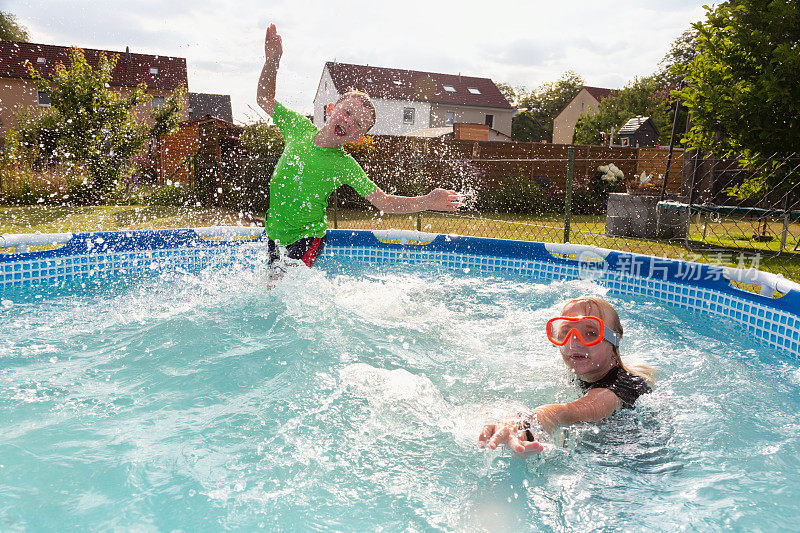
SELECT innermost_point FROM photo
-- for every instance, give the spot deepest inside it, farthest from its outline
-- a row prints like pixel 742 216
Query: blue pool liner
pixel 696 286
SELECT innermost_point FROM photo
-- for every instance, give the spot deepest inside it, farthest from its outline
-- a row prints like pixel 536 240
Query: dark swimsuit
pixel 307 250
pixel 628 387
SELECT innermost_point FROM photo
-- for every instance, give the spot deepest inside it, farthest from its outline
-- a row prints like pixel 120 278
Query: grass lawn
pixel 48 219
pixel 722 244
pixel 718 247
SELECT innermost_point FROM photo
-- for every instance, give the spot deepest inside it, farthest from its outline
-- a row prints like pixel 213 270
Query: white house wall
pixel 389 112
pixel 564 123
pixel 472 115
pixel 326 94
pixel 390 116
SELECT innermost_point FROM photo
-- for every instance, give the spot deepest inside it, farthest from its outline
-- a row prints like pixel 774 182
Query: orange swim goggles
pixel 589 330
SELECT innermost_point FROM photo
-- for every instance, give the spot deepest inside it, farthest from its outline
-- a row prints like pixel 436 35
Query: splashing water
pixel 350 398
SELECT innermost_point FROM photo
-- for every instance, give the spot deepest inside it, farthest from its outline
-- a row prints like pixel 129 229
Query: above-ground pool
pixel 150 381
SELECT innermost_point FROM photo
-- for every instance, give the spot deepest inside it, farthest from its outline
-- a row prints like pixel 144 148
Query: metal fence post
pixel 785 231
pixel 336 209
pixel 568 200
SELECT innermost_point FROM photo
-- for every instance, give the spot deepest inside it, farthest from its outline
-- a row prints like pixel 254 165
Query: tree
pixel 534 122
pixel 509 92
pixel 642 96
pixel 744 83
pixel 96 128
pixel 11 30
pixel 674 65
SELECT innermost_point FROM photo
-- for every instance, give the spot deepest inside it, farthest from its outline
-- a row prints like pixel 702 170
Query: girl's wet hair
pixel 363 98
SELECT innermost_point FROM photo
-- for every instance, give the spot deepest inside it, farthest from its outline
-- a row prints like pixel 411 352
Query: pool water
pixel 350 397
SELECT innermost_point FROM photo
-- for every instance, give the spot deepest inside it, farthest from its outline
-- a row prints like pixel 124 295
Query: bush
pixel 52 186
pixel 34 139
pixel 593 198
pixel 171 195
pixel 518 195
pixel 261 140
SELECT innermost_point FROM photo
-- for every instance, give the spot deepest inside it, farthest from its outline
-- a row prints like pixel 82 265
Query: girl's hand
pixel 273 49
pixel 508 434
pixel 442 200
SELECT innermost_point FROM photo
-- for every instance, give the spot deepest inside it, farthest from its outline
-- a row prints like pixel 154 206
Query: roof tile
pixel 397 84
pixel 130 70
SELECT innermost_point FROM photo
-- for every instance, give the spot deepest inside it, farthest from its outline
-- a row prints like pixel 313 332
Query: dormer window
pixel 154 71
pixel 449 88
pixel 41 60
pixel 397 82
pixel 473 90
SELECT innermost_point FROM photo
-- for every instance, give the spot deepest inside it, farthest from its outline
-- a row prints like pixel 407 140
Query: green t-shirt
pixel 304 178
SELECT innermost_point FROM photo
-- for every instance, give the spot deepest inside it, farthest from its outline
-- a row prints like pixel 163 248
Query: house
pixel 585 102
pixel 215 105
pixel 638 131
pixel 409 100
pixel 161 74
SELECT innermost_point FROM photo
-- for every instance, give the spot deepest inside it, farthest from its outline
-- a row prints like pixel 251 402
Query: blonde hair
pixel 364 99
pixel 594 306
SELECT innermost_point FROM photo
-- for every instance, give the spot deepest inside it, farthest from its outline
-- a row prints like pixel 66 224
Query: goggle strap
pixel 611 336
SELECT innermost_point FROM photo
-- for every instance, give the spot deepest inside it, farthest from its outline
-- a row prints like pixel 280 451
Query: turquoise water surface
pixel 350 398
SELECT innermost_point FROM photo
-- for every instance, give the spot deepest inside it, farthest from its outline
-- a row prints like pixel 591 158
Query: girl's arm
pixel 595 405
pixel 273 50
pixel 436 200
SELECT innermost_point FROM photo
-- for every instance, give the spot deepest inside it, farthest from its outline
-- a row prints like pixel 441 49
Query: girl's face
pixel 349 121
pixel 589 363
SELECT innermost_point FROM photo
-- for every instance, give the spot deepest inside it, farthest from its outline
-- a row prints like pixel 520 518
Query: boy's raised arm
pixel 273 50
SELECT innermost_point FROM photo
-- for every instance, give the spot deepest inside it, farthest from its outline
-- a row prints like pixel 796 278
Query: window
pixel 449 118
pixel 490 121
pixel 408 115
pixel 41 60
pixel 158 102
pixel 397 82
pixel 624 141
pixel 153 71
pixel 44 99
pixel 449 88
pixel 474 90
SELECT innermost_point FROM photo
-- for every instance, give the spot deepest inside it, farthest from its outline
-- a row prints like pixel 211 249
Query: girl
pixel 588 334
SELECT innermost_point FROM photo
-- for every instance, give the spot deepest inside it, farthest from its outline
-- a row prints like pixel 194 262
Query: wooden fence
pixel 486 164
pixel 410 165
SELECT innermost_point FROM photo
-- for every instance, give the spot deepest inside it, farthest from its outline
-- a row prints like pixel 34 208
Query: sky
pixel 523 43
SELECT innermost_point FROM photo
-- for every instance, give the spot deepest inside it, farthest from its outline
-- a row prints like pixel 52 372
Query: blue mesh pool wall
pixel 699 287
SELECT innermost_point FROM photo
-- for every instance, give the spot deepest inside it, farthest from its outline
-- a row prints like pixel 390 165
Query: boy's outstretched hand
pixel 273 49
pixel 442 200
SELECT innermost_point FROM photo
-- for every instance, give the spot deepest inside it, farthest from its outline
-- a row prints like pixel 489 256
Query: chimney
pixel 129 62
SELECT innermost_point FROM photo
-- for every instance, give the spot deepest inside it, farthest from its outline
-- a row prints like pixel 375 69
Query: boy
pixel 313 165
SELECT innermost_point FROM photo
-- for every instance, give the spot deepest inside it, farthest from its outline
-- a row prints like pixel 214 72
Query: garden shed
pixel 638 131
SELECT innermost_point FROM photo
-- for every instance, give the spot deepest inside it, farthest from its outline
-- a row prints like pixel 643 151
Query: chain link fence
pixel 665 203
